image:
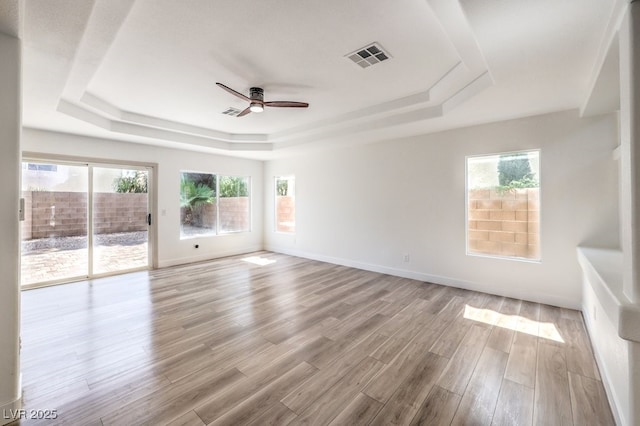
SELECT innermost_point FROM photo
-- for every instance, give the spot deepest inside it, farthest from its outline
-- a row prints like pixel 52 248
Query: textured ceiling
pixel 145 70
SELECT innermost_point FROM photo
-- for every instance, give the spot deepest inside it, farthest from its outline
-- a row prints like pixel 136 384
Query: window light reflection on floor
pixel 545 330
pixel 257 260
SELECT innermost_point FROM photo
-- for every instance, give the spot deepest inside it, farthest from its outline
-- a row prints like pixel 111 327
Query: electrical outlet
pixel 406 258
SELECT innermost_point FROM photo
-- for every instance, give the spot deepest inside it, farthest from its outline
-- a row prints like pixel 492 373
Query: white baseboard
pixel 164 263
pixel 436 279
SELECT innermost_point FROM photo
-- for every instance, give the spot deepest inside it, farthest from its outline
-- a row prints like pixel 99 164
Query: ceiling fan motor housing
pixel 256 100
pixel 256 94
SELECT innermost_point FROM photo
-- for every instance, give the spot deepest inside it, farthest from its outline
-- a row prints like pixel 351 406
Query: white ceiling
pixel 145 70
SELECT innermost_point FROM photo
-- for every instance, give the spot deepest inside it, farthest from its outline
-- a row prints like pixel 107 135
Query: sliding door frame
pixel 90 163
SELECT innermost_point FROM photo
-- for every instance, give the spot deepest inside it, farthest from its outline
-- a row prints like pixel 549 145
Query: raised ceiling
pixel 145 70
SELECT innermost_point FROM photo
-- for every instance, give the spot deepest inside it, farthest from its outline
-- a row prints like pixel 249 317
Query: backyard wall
pixel 286 218
pixel 505 223
pixel 234 213
pixel 64 214
pixel 120 212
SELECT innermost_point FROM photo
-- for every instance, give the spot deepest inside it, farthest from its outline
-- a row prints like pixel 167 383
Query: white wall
pixel 171 249
pixel 10 105
pixel 367 205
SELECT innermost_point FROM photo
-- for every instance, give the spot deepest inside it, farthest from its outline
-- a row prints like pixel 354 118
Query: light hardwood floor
pixel 297 341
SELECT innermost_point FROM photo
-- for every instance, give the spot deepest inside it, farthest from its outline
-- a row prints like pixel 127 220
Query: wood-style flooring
pixel 273 339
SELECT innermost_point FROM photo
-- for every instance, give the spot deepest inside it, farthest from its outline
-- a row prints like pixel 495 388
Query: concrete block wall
pixel 234 214
pixel 233 211
pixel 115 212
pixel 505 223
pixel 58 214
pixel 286 214
pixel 201 217
pixel 64 214
pixel 209 215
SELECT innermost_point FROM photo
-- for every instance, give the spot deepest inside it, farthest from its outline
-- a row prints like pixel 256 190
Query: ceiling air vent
pixel 369 55
pixel 233 112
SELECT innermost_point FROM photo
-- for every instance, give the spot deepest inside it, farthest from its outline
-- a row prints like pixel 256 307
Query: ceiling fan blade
pixel 244 112
pixel 233 92
pixel 286 104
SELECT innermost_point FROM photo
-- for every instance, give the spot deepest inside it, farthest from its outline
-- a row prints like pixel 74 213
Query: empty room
pixel 340 212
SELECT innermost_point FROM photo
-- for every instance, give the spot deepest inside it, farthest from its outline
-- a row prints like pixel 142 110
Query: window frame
pixel 250 202
pixel 217 231
pixel 289 178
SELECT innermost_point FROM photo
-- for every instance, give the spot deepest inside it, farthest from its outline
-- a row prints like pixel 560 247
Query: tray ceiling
pixel 145 70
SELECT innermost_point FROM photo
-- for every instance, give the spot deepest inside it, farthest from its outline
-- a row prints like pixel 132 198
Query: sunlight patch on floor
pixel 545 330
pixel 257 260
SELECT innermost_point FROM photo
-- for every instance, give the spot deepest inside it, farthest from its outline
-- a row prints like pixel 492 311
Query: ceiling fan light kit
pixel 256 107
pixel 256 100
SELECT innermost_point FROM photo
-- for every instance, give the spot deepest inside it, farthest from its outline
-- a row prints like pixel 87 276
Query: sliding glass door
pixel 120 202
pixel 55 227
pixel 83 220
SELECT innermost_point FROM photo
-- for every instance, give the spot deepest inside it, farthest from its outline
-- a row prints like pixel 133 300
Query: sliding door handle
pixel 149 219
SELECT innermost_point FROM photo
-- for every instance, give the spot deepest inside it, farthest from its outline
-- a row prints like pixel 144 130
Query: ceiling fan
pixel 257 102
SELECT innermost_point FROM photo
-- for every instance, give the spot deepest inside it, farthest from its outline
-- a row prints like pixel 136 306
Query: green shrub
pixel 193 197
pixel 283 187
pixel 131 184
pixel 232 186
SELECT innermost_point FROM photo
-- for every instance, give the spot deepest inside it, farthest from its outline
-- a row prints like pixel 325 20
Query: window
pixel 212 204
pixel 503 205
pixel 233 204
pixel 285 205
pixel 197 204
